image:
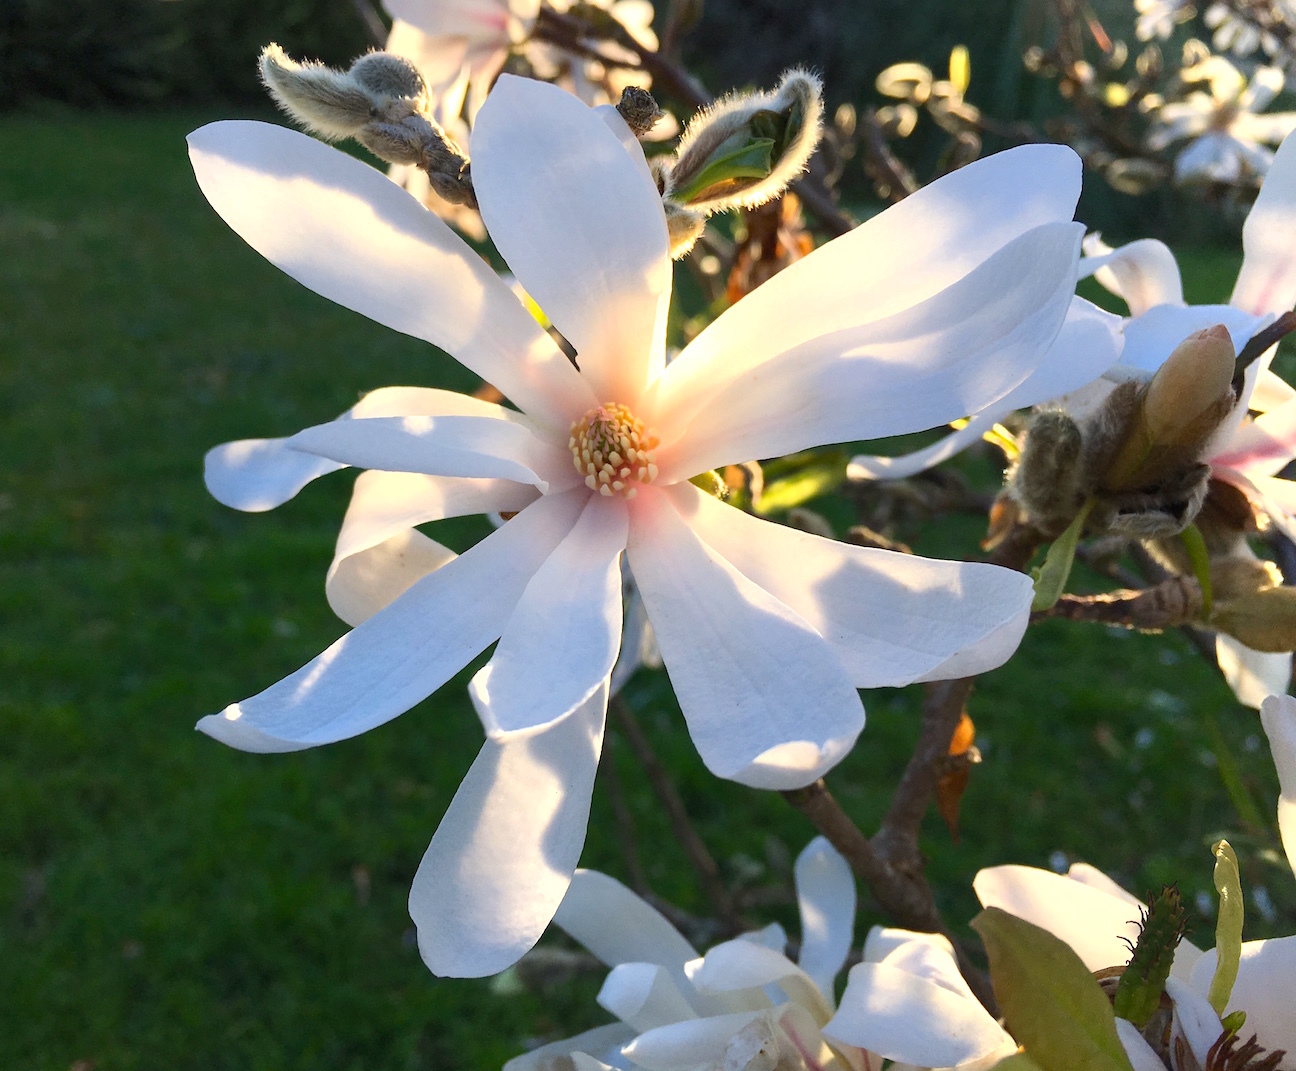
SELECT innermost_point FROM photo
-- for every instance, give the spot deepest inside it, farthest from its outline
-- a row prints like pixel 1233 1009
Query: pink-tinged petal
pixel 688 1045
pixel 1264 446
pixel 1152 337
pixel 903 1017
pixel 1271 391
pixel 1142 1056
pixel 1091 921
pixel 474 19
pixel 825 890
pixel 618 926
pixel 403 654
pixel 1142 273
pixel 1089 343
pixel 605 1040
pixel 738 966
pixel 890 618
pixel 440 60
pixel 345 231
pixel 584 233
pixel 959 352
pixel 1253 675
pixel 256 475
pixel 378 555
pixel 1278 716
pixel 644 996
pixel 503 857
pixel 1263 990
pixel 897 259
pixel 1267 282
pixel 559 646
pixel 463 446
pixel 766 700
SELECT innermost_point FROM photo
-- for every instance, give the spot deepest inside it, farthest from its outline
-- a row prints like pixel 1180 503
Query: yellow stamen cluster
pixel 612 450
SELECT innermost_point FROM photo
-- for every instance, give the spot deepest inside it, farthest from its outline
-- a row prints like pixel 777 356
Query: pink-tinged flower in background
pixel 942 303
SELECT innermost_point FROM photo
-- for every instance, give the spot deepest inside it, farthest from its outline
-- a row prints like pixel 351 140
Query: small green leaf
pixel 1228 927
pixel 1051 579
pixel 710 482
pixel 1199 559
pixel 1234 1021
pixel 1052 1004
pixel 738 157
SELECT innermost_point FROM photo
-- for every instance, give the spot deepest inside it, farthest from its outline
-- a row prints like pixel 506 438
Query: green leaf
pixel 822 475
pixel 1051 579
pixel 1052 1004
pixel 1199 559
pixel 738 157
pixel 1228 927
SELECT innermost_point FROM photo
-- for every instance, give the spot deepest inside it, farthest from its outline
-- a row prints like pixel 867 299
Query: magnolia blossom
pixel 1158 18
pixel 1229 136
pixel 744 1005
pixel 1096 917
pixel 943 303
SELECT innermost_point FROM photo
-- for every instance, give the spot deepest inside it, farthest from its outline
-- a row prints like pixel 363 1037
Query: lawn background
pixel 167 902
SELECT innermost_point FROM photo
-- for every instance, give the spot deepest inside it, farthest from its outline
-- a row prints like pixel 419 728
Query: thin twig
pixel 694 847
pixel 1169 604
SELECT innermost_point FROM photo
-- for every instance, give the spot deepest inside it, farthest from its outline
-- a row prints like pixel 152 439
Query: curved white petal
pixel 559 645
pixel 1142 1056
pixel 345 231
pixel 1152 337
pixel 1194 1018
pixel 878 467
pixel 1142 273
pixel 931 961
pixel 737 965
pixel 883 940
pixel 1253 675
pixel 504 854
pixel 898 1015
pixel 1267 281
pixel 255 475
pixel 478 20
pixel 1263 990
pixel 825 890
pixel 766 701
pixel 897 259
pixel 1089 875
pixel 890 618
pixel 688 1045
pixel 378 555
pixel 605 1040
pixel 580 224
pixel 1271 392
pixel 1264 446
pixel 644 996
pixel 403 654
pixel 959 352
pixel 463 446
pixel 1278 716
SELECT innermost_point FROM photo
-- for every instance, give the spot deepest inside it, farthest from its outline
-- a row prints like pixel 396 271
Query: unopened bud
pixel 325 101
pixel 387 75
pixel 684 226
pixel 745 149
pixel 1264 621
pixel 639 110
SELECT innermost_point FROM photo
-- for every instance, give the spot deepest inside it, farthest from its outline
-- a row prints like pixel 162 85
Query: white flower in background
pixel 744 1006
pixel 1158 18
pixel 1092 914
pixel 908 1003
pixel 944 302
pixel 1229 136
pixel 1235 34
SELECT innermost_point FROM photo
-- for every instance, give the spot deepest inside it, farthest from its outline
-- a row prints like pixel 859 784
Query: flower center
pixel 613 450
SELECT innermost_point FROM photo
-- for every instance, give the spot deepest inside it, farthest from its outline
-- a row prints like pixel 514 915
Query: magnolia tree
pixel 622 465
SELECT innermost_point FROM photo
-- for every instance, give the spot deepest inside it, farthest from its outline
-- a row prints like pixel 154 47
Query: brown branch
pixel 694 847
pixel 1169 604
pixel 1258 343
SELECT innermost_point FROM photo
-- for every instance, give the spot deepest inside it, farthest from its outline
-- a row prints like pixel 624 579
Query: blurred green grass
pixel 166 902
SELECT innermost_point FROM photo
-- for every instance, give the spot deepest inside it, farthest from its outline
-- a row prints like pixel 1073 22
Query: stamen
pixel 613 450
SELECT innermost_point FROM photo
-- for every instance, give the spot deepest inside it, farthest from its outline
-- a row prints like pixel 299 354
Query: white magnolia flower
pixel 1158 18
pixel 744 1006
pixel 908 1003
pixel 1229 135
pixel 942 303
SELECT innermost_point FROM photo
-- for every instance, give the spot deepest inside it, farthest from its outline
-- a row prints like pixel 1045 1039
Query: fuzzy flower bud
pixel 745 149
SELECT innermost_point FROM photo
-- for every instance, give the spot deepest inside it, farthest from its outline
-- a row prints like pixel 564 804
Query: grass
pixel 166 902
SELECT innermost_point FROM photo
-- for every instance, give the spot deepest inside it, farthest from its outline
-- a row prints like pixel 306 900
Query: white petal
pixel 1271 392
pixel 403 654
pixel 605 1040
pixel 688 1045
pixel 1267 282
pixel 1194 1019
pixel 644 995
pixel 895 260
pixel 891 618
pixel 476 19
pixel 504 854
pixel 766 702
pixel 461 446
pixel 883 940
pixel 256 475
pixel 1092 922
pixel 1142 1056
pixel 1089 875
pixel 1150 338
pixel 378 555
pixel 584 233
pixel 1278 716
pixel 1143 273
pixel 903 1017
pixel 876 467
pixel 825 890
pixel 1263 990
pixel 1253 675
pixel 737 965
pixel 342 229
pixel 1264 446
pixel 930 961
pixel 959 352
pixel 562 640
